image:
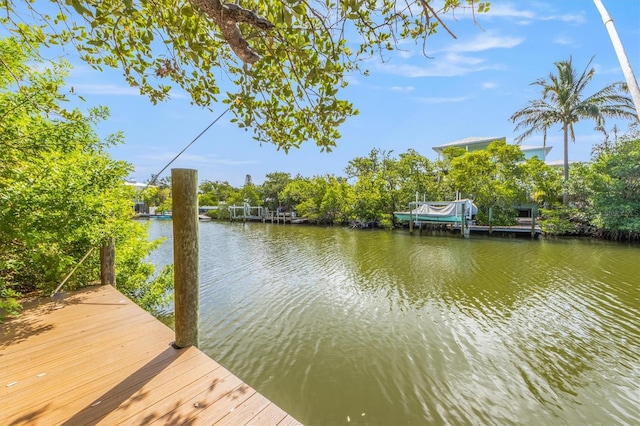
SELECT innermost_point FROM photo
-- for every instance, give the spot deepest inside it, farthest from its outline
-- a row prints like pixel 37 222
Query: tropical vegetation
pixel 285 62
pixel 564 102
pixel 61 194
pixel 603 198
pixel 277 65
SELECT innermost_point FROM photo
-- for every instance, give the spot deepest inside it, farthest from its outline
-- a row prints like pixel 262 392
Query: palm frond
pixel 563 103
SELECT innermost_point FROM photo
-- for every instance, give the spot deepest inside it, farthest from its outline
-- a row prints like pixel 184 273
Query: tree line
pixel 603 196
pixel 61 193
pixel 497 178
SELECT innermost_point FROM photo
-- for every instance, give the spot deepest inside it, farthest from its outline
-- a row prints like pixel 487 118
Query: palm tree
pixel 563 103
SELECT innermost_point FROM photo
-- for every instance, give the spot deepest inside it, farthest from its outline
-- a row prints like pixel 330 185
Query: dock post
pixel 410 225
pixel 463 232
pixel 490 221
pixel 184 183
pixel 534 213
pixel 108 262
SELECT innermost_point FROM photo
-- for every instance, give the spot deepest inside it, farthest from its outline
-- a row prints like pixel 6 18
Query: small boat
pixel 161 216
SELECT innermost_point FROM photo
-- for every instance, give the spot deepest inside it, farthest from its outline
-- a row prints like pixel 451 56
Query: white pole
pixel 632 83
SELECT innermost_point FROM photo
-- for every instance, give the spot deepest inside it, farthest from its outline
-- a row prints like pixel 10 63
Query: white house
pixel 475 143
pixel 138 203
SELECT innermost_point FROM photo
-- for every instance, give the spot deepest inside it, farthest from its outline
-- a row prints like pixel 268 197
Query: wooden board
pixel 94 357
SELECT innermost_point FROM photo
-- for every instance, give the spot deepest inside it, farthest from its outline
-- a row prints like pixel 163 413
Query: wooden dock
pixel 97 358
pixel 533 231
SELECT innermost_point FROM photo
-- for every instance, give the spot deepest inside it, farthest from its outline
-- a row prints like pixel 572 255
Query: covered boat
pixel 438 211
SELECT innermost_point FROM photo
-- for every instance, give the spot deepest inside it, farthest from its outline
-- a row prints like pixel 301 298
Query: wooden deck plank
pixel 67 397
pixel 80 318
pixel 58 375
pixel 204 393
pixel 107 351
pixel 66 353
pixel 103 371
pixel 289 421
pixel 130 397
pixel 270 415
pixel 214 412
pixel 97 358
pixel 245 411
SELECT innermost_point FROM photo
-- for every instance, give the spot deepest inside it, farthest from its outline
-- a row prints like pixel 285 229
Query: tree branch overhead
pixel 227 16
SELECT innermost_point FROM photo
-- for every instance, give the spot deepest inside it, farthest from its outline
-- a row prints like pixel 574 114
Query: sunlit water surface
pixel 341 326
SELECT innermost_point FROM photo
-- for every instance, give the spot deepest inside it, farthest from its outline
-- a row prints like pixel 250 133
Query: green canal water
pixel 342 327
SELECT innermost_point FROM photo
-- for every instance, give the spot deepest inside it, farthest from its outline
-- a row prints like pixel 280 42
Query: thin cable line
pixel 148 184
pixel 155 177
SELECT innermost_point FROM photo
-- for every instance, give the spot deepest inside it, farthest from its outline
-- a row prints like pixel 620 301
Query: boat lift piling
pixel 464 226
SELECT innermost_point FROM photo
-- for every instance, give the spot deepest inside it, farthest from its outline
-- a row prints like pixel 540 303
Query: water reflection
pixel 348 327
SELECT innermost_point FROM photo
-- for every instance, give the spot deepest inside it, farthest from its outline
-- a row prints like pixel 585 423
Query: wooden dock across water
pixel 97 358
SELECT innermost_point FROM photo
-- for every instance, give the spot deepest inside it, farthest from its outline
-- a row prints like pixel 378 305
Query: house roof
pixel 138 185
pixel 559 163
pixel 472 140
pixel 525 148
pixel 485 140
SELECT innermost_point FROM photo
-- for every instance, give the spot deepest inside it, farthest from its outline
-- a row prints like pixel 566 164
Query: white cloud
pixel 488 85
pixel 403 89
pixel 537 12
pixel 165 157
pixel 607 71
pixel 119 90
pixel 563 39
pixel 80 69
pixel 449 65
pixel 234 162
pixel 486 41
pixel 441 100
pixel 455 58
pixel 573 18
pixel 506 10
pixel 352 80
pixel 413 71
pixel 178 94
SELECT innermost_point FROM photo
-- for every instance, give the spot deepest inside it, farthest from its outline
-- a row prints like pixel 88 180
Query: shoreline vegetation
pixel 548 226
pixel 63 195
pixel 603 195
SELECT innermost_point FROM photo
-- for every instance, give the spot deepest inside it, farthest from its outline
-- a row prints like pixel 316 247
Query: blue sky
pixel 469 86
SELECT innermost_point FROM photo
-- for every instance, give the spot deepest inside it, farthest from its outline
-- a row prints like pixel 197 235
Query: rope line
pixel 72 271
pixel 148 184
pixel 155 177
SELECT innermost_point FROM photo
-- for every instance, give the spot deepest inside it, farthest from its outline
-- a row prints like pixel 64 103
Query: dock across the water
pixel 522 229
pixel 95 357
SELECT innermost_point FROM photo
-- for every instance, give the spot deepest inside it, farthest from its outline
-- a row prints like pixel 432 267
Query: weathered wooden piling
pixel 464 226
pixel 108 262
pixel 184 185
pixel 490 221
